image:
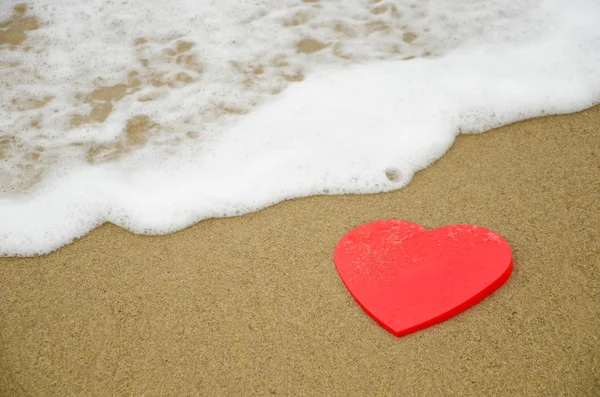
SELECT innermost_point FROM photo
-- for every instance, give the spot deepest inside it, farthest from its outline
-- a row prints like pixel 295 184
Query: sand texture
pixel 253 305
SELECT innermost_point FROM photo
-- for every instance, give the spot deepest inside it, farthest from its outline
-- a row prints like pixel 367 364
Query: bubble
pixel 393 174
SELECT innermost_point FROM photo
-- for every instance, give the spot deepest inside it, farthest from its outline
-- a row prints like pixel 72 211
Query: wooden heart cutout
pixel 408 277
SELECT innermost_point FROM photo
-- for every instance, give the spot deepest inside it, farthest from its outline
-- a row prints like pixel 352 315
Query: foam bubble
pixel 155 115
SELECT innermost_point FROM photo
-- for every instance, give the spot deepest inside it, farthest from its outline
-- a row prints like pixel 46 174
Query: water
pixel 154 115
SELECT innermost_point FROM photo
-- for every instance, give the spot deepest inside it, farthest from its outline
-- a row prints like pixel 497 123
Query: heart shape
pixel 408 277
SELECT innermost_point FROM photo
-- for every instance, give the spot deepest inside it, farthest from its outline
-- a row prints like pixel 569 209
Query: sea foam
pixel 155 115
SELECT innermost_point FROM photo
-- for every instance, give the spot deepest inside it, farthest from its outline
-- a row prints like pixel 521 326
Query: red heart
pixel 407 277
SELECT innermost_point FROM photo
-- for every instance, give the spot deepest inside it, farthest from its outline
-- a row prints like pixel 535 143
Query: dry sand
pixel 253 305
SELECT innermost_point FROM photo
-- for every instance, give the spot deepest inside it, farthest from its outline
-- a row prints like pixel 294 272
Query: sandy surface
pixel 254 306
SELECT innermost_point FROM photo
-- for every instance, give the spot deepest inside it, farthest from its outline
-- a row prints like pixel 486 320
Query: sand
pixel 253 305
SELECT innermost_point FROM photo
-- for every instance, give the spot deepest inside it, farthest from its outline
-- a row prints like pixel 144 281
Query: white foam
pixel 347 128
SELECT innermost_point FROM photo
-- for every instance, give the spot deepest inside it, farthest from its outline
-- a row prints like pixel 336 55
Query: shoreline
pixel 253 304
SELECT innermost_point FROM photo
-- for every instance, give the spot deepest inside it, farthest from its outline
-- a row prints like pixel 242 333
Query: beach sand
pixel 253 305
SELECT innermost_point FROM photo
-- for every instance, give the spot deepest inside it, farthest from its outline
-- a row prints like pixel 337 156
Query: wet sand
pixel 253 305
